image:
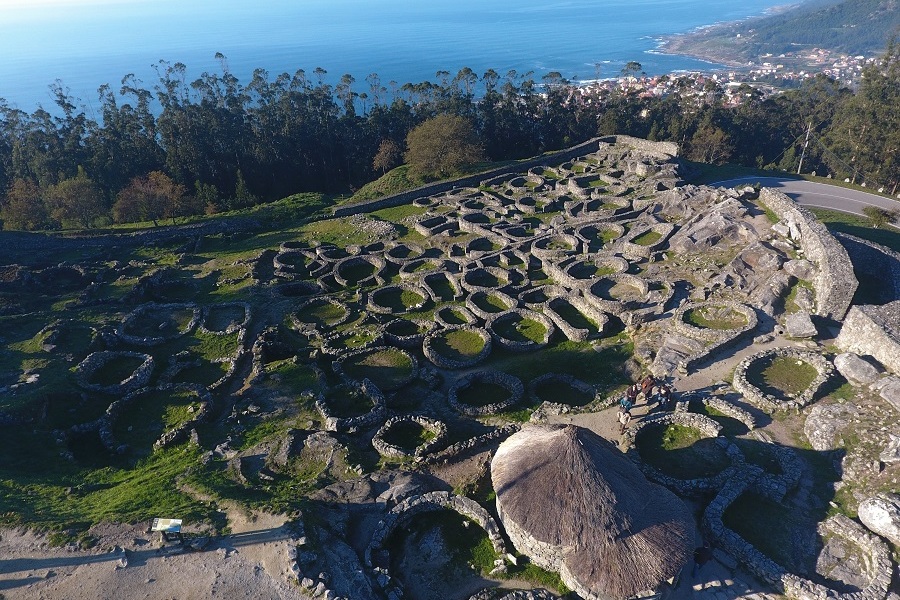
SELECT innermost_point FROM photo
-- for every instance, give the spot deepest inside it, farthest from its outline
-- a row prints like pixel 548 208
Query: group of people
pixel 654 393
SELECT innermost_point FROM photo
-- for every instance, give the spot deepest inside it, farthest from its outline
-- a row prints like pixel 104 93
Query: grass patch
pixel 357 271
pixel 765 524
pixel 782 375
pixel 648 238
pixel 340 232
pixel 458 344
pixel 490 303
pixel 482 394
pixel 399 299
pixel 790 304
pixel 859 226
pixel 393 182
pixel 160 322
pixel 441 287
pixel 321 312
pixel 408 435
pixel 387 369
pixel 220 318
pixel 714 317
pixel 681 452
pixel 347 402
pixel 205 374
pixel 397 214
pixel 519 329
pixel 294 378
pixel 602 366
pixel 538 577
pixel 151 414
pixel 357 337
pixel 116 370
pixel 574 317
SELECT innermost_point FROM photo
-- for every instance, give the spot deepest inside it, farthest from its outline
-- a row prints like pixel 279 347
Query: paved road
pixel 819 195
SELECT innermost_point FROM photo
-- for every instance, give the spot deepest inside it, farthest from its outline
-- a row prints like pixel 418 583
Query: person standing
pixel 624 419
pixel 647 384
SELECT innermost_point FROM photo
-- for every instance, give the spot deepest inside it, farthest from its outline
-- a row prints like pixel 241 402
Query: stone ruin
pixel 606 240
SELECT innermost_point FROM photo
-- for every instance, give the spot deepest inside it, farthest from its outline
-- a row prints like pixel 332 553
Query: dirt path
pixel 251 562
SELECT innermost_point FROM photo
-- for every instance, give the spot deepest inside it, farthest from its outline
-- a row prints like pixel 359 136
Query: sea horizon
pixel 86 44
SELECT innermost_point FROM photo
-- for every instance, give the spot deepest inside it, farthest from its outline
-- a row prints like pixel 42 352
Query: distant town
pixel 771 76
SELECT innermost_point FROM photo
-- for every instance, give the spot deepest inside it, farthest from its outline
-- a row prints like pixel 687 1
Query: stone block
pixel 890 391
pixel 855 369
pixel 799 325
pixel 881 514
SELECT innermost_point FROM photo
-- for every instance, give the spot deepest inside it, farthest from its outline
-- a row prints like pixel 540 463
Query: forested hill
pixel 851 26
pixel 847 26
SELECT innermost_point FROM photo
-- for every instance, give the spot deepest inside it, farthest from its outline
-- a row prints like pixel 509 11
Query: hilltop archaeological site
pixel 417 398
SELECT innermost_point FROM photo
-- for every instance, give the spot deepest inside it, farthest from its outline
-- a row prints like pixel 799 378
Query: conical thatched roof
pixel 580 506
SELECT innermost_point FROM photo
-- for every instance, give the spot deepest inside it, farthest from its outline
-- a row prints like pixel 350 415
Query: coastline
pixel 690 44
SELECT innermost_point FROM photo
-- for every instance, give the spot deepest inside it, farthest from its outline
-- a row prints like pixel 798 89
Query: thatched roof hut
pixel 575 504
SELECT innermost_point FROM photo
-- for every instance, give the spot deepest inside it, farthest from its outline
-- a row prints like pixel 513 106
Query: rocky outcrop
pixel 874 331
pixel 881 514
pixel 854 369
pixel 826 422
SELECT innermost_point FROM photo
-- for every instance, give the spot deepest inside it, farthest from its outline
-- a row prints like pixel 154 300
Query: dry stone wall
pixel 835 282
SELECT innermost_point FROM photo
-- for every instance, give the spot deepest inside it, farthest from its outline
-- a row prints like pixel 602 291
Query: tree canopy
pixel 442 146
pixel 218 144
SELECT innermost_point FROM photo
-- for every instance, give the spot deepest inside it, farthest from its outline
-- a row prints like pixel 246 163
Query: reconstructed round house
pixel 574 504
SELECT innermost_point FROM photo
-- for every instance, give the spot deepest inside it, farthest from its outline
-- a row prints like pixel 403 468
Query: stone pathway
pixel 720 580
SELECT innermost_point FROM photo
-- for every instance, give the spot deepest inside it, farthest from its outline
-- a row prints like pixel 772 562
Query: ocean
pixel 87 43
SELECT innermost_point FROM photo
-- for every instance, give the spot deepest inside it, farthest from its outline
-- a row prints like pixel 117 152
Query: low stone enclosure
pixel 427 352
pixel 770 402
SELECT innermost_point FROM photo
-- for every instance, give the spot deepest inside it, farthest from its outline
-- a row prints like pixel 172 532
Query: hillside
pixel 849 26
pixel 319 400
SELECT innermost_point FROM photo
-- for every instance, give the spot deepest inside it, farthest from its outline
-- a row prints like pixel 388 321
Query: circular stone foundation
pixel 781 378
pixel 397 299
pixel 485 393
pixel 320 312
pixel 712 321
pixel 409 436
pixel 486 304
pixel 521 330
pixel 457 347
pixel 387 367
pixel 153 324
pixel 406 333
pixel 360 271
pixel 111 372
pixel 454 316
pixel 356 338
